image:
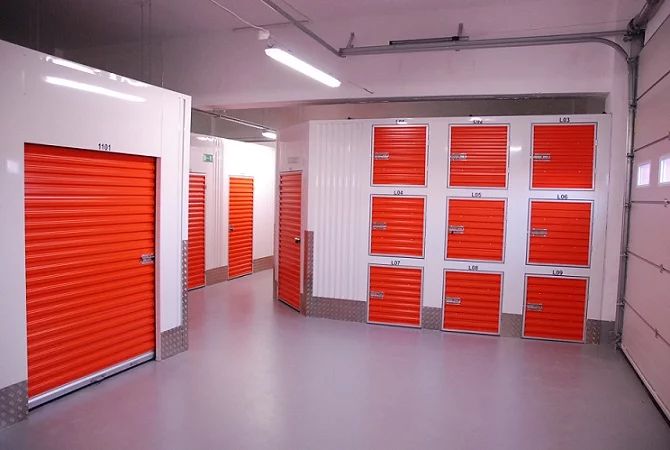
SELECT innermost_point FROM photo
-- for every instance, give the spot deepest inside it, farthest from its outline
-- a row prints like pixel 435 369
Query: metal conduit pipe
pixel 638 23
pixel 233 119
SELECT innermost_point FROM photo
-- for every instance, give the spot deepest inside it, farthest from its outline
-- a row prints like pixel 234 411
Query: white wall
pixel 33 110
pixel 339 195
pixel 232 158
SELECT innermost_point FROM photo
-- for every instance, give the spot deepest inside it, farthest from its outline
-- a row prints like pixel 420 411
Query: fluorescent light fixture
pixel 301 66
pixel 71 65
pixel 514 148
pixel 269 134
pixel 93 89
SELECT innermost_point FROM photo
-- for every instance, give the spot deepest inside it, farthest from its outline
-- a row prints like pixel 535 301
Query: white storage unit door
pixel 646 327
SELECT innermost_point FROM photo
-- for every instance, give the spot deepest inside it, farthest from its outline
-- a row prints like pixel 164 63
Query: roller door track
pixel 555 308
pixel 90 280
pixel 196 231
pixel 476 229
pixel 394 297
pixel 290 229
pixel 478 156
pixel 560 233
pixel 397 226
pixel 563 156
pixel 472 302
pixel 399 155
pixel 240 226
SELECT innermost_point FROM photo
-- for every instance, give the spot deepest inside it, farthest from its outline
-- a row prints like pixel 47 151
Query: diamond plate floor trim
pixel 175 340
pixel 337 309
pixel 309 272
pixel 510 325
pixel 431 318
pixel 599 332
pixel 13 404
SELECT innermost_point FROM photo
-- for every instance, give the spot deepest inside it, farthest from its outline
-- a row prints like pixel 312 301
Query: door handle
pixel 379 226
pixel 148 258
pixel 534 307
pixel 296 240
pixel 377 294
pixel 452 300
pixel 456 229
pixel 539 232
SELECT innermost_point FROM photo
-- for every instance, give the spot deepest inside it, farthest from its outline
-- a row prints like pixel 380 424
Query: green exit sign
pixel 207 157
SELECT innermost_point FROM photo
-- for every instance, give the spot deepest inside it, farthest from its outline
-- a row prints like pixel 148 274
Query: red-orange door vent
pixel 563 156
pixel 555 308
pixel 90 273
pixel 475 229
pixel 399 155
pixel 196 231
pixel 397 226
pixel 394 297
pixel 240 226
pixel 472 302
pixel 478 156
pixel 560 233
pixel 290 229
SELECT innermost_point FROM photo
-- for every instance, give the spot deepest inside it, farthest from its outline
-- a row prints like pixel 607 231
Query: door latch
pixel 541 157
pixel 534 307
pixel 458 156
pixel 452 300
pixel 382 156
pixel 147 258
pixel 379 226
pixel 377 294
pixel 456 229
pixel 539 232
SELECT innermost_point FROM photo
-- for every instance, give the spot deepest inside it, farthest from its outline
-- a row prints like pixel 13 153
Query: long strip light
pixel 301 66
pixel 93 89
pixel 269 134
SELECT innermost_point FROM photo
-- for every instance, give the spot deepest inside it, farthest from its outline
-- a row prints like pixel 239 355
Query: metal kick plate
pixel 376 294
pixel 382 156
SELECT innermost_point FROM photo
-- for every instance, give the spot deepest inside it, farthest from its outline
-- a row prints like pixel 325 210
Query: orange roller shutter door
pixel 394 297
pixel 472 301
pixel 555 308
pixel 196 231
pixel 240 226
pixel 475 229
pixel 478 156
pixel 397 226
pixel 290 230
pixel 90 281
pixel 399 155
pixel 560 233
pixel 563 156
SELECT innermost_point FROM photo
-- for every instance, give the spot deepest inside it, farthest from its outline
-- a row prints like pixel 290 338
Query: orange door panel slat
pixel 399 155
pixel 478 156
pixel 394 297
pixel 290 230
pixel 555 308
pixel 563 156
pixel 196 230
pixel 240 226
pixel 560 233
pixel 472 301
pixel 90 302
pixel 397 226
pixel 475 229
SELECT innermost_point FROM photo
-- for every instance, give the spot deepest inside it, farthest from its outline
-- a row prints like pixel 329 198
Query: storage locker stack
pixel 397 224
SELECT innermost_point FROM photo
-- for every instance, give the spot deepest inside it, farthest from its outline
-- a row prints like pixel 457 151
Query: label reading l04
pixel 206 157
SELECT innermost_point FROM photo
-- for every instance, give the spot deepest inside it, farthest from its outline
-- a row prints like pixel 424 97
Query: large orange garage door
pixel 475 229
pixel 240 226
pixel 290 228
pixel 397 226
pixel 560 233
pixel 89 262
pixel 394 297
pixel 196 231
pixel 472 301
pixel 478 156
pixel 399 155
pixel 563 156
pixel 555 308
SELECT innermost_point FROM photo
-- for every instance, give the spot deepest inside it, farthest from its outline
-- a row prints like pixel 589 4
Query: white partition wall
pixel 646 328
pixel 50 101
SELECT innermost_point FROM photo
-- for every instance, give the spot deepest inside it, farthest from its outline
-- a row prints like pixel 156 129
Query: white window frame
pixel 664 160
pixel 646 164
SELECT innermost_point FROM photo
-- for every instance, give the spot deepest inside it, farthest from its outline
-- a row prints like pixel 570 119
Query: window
pixel 664 170
pixel 643 172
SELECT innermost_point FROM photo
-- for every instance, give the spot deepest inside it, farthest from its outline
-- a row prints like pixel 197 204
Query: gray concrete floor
pixel 259 376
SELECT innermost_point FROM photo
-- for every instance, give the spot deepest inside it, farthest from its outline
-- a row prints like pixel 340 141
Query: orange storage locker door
pixel 478 156
pixel 563 156
pixel 475 229
pixel 240 226
pixel 555 308
pixel 472 302
pixel 196 231
pixel 290 229
pixel 394 297
pixel 560 233
pixel 399 155
pixel 89 262
pixel 397 226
